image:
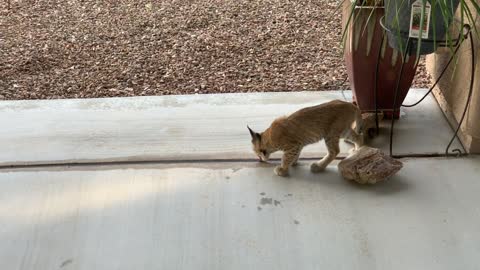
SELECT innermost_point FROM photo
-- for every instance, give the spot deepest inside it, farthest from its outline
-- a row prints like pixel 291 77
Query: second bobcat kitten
pixel 329 121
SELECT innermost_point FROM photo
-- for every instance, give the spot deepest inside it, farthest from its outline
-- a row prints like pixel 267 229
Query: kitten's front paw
pixel 316 168
pixel 294 163
pixel 280 171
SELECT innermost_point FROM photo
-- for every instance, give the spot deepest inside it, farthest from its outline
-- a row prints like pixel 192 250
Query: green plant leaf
pixel 368 20
pixel 476 6
pixel 420 34
pixel 340 4
pixel 471 20
pixel 434 24
pixel 396 25
pixel 347 24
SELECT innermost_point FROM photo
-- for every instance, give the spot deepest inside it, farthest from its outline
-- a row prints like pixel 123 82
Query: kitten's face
pixel 260 150
pixel 262 153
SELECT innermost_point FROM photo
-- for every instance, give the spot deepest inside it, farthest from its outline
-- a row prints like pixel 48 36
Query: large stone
pixel 368 165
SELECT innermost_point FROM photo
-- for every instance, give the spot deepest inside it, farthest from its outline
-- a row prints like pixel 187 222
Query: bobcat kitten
pixel 329 121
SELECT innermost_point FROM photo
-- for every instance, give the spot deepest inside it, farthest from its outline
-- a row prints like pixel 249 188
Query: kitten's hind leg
pixel 289 157
pixel 333 148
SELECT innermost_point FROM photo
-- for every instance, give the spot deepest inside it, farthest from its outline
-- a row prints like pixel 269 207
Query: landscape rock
pixel 368 165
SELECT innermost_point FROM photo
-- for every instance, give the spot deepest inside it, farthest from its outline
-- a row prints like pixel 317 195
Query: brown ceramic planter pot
pixel 363 44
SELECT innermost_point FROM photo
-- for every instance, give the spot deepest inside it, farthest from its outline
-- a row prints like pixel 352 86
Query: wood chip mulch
pixel 87 48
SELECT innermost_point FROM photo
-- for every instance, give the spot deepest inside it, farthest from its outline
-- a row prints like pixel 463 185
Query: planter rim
pixel 369 7
pixel 385 27
pixel 406 35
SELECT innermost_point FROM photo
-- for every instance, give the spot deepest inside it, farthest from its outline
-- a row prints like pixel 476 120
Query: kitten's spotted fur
pixel 329 121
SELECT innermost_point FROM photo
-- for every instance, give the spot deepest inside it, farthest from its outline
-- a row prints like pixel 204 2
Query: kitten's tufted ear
pixel 255 136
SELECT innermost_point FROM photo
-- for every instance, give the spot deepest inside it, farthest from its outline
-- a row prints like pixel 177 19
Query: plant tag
pixel 416 19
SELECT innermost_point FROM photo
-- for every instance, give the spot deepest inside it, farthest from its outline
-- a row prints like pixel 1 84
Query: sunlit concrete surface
pixel 239 216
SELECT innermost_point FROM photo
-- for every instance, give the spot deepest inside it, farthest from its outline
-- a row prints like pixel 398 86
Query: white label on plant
pixel 416 19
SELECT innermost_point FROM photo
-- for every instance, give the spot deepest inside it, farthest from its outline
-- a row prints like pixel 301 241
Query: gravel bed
pixel 110 48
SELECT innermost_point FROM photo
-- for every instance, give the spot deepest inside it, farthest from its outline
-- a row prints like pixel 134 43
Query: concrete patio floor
pixel 204 205
pixel 195 127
